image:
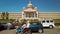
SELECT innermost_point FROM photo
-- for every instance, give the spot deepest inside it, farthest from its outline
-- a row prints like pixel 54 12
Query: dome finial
pixel 29 4
pixel 29 1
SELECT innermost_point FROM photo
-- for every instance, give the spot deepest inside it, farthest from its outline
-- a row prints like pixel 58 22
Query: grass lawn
pixel 10 20
pixel 56 20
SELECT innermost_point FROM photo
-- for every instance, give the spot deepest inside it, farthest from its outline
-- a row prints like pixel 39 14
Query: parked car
pixel 36 26
pixel 1 27
pixel 33 27
pixel 8 25
pixel 48 23
pixel 4 24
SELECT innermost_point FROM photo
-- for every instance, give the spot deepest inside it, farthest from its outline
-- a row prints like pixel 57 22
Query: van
pixel 48 23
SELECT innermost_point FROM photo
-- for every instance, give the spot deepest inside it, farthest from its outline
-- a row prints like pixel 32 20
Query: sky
pixel 17 5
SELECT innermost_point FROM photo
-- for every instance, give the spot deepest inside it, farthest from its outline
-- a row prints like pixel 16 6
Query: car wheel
pixel 50 27
pixel 40 30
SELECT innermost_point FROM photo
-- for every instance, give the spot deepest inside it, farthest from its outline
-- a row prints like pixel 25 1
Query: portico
pixel 30 12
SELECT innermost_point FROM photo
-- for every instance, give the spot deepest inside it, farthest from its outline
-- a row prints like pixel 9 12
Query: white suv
pixel 48 23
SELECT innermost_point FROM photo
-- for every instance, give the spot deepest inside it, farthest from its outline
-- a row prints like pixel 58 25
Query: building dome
pixel 30 5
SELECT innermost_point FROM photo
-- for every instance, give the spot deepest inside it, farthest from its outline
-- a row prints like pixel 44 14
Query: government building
pixel 31 12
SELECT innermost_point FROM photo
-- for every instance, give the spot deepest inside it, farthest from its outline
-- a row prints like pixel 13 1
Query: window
pixel 47 21
pixel 43 21
pixel 51 21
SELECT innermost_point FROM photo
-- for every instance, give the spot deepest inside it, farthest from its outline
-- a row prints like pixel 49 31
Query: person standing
pixel 28 24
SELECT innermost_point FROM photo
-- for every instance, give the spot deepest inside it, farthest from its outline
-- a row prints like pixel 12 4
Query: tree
pixel 3 15
pixel 23 21
pixel 35 20
pixel 7 15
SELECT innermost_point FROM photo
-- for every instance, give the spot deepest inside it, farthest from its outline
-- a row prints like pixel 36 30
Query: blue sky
pixel 17 5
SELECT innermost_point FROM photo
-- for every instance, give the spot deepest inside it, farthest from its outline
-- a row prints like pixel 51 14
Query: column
pixel 37 14
pixel 34 15
pixel 22 14
pixel 25 15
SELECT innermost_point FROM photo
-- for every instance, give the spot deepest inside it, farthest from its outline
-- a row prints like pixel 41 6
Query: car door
pixel 43 23
pixel 47 23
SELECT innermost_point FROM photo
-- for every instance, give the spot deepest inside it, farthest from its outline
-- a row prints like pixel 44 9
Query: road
pixel 46 31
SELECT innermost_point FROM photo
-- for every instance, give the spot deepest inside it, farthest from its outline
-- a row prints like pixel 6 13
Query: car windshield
pixel 43 21
pixel 47 21
pixel 35 23
pixel 4 22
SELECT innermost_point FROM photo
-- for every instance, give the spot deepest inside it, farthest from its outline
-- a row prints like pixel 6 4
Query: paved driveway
pixel 46 31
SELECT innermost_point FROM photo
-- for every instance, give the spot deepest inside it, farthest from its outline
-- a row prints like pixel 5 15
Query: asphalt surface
pixel 46 31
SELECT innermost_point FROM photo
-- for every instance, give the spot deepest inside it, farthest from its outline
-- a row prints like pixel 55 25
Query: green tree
pixel 3 15
pixel 35 20
pixel 23 21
